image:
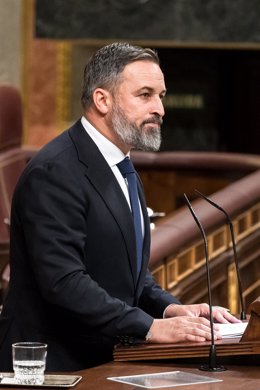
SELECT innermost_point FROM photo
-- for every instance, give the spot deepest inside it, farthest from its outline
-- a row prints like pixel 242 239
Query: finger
pixel 199 320
pixel 224 317
pixel 200 327
pixel 231 318
pixel 205 325
pixel 194 338
pixel 201 332
pixel 197 338
pixel 220 318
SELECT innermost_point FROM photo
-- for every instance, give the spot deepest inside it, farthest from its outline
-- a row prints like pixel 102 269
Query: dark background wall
pixel 184 20
pixel 219 100
pixel 210 54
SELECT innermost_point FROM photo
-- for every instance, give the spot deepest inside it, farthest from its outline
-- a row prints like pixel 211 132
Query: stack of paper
pixel 232 330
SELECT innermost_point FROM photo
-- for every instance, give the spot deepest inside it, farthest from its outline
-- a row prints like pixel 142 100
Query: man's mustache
pixel 154 120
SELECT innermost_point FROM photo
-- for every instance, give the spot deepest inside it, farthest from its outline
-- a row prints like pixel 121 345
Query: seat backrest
pixel 10 117
pixel 12 163
pixel 13 159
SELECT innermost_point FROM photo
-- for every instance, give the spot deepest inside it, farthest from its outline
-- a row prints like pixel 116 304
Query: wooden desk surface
pixel 236 377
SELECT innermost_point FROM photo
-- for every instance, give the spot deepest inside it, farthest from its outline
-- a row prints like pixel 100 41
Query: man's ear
pixel 102 100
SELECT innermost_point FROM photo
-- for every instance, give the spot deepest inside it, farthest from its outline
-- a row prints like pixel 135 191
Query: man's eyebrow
pixel 150 89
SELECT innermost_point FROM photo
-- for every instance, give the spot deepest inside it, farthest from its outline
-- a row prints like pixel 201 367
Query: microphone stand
pixel 212 365
pixel 229 222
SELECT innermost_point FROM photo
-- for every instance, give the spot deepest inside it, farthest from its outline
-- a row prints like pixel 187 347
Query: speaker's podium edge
pixel 252 332
pixel 249 344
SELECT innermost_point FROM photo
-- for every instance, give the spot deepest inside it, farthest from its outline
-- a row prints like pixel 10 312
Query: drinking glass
pixel 29 362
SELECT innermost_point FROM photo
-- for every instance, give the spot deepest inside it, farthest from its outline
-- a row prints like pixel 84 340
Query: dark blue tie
pixel 127 170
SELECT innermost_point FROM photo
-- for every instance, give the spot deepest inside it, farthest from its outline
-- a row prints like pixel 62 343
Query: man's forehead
pixel 142 66
pixel 141 72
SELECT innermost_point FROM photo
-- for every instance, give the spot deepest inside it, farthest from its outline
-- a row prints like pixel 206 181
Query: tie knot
pixel 126 166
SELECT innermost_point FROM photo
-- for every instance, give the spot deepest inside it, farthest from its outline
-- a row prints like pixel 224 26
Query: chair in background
pixel 13 159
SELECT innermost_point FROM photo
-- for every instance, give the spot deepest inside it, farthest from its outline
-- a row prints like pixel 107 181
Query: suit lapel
pixel 105 183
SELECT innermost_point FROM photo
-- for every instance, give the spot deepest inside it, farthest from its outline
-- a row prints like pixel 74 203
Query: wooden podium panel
pixel 248 344
pixel 228 347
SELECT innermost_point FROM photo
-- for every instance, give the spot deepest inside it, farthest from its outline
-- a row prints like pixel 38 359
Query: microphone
pixel 230 224
pixel 212 365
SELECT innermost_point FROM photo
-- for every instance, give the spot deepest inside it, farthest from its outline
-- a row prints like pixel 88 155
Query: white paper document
pixel 164 379
pixel 232 330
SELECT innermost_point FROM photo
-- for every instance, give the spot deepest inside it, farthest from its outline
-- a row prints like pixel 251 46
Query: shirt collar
pixel 112 154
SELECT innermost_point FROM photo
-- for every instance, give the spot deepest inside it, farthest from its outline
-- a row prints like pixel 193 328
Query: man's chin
pixel 151 146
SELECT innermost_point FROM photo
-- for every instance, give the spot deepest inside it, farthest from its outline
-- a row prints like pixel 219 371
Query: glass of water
pixel 29 362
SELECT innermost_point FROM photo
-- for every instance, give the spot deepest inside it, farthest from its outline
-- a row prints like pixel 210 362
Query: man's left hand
pixel 219 314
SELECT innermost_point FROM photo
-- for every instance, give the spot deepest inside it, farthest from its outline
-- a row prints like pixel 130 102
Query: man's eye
pixel 145 94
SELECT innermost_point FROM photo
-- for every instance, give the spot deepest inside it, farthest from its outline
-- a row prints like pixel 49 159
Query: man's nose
pixel 158 107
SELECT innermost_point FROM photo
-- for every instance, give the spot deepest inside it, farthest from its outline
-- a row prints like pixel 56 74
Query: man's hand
pixel 183 328
pixel 219 314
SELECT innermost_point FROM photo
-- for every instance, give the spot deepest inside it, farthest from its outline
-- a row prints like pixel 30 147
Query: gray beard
pixel 134 136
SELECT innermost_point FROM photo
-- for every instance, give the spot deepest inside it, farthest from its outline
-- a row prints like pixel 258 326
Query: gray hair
pixel 105 67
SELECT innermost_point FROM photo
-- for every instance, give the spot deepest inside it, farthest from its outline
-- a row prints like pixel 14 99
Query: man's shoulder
pixel 57 148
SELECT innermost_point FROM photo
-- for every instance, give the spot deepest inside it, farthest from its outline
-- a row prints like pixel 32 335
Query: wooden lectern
pixel 252 332
pixel 249 344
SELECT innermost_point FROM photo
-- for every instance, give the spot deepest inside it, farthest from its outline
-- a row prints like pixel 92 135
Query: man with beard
pixel 75 282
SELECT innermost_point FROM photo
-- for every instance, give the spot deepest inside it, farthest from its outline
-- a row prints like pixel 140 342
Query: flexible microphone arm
pixel 229 222
pixel 212 366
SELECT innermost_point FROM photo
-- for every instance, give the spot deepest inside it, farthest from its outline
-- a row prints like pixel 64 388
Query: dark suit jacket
pixel 73 269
